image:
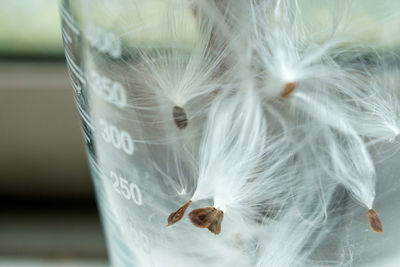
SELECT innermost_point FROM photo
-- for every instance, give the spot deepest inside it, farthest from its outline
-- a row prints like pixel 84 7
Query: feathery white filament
pixel 232 149
pixel 279 166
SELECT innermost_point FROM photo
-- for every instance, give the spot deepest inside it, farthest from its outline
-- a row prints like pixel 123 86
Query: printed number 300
pixel 119 138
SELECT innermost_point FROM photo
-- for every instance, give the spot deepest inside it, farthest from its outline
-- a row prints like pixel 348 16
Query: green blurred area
pixel 30 28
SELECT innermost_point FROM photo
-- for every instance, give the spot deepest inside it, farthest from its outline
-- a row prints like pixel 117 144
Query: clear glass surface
pixel 138 145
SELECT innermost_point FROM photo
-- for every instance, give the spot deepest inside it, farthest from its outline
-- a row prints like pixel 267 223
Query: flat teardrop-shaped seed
pixel 374 221
pixel 180 117
pixel 177 215
pixel 288 89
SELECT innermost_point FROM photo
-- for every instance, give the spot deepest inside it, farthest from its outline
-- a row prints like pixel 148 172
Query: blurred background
pixel 48 214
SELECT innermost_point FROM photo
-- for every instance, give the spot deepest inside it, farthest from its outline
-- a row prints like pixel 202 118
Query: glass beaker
pixel 193 101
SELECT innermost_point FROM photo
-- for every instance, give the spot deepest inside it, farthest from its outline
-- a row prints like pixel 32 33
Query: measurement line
pixel 97 168
pixel 78 75
pixel 85 135
pixel 70 21
pixel 75 69
pixel 66 36
pixel 84 115
pixel 76 86
pixel 68 16
pixel 72 79
pixel 78 69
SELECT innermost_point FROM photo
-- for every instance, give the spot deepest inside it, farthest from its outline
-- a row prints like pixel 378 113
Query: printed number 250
pixel 127 189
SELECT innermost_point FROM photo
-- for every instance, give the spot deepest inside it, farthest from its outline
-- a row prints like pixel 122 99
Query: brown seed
pixel 215 227
pixel 208 217
pixel 203 217
pixel 374 221
pixel 288 88
pixel 180 117
pixel 177 215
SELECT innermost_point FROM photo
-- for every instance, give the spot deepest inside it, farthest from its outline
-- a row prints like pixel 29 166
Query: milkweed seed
pixel 177 215
pixel 208 217
pixel 288 89
pixel 374 221
pixel 215 227
pixel 180 117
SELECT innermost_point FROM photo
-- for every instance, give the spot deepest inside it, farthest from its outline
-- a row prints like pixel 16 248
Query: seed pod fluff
pixel 264 134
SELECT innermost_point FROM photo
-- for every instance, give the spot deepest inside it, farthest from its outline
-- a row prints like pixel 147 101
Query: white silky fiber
pixel 262 132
